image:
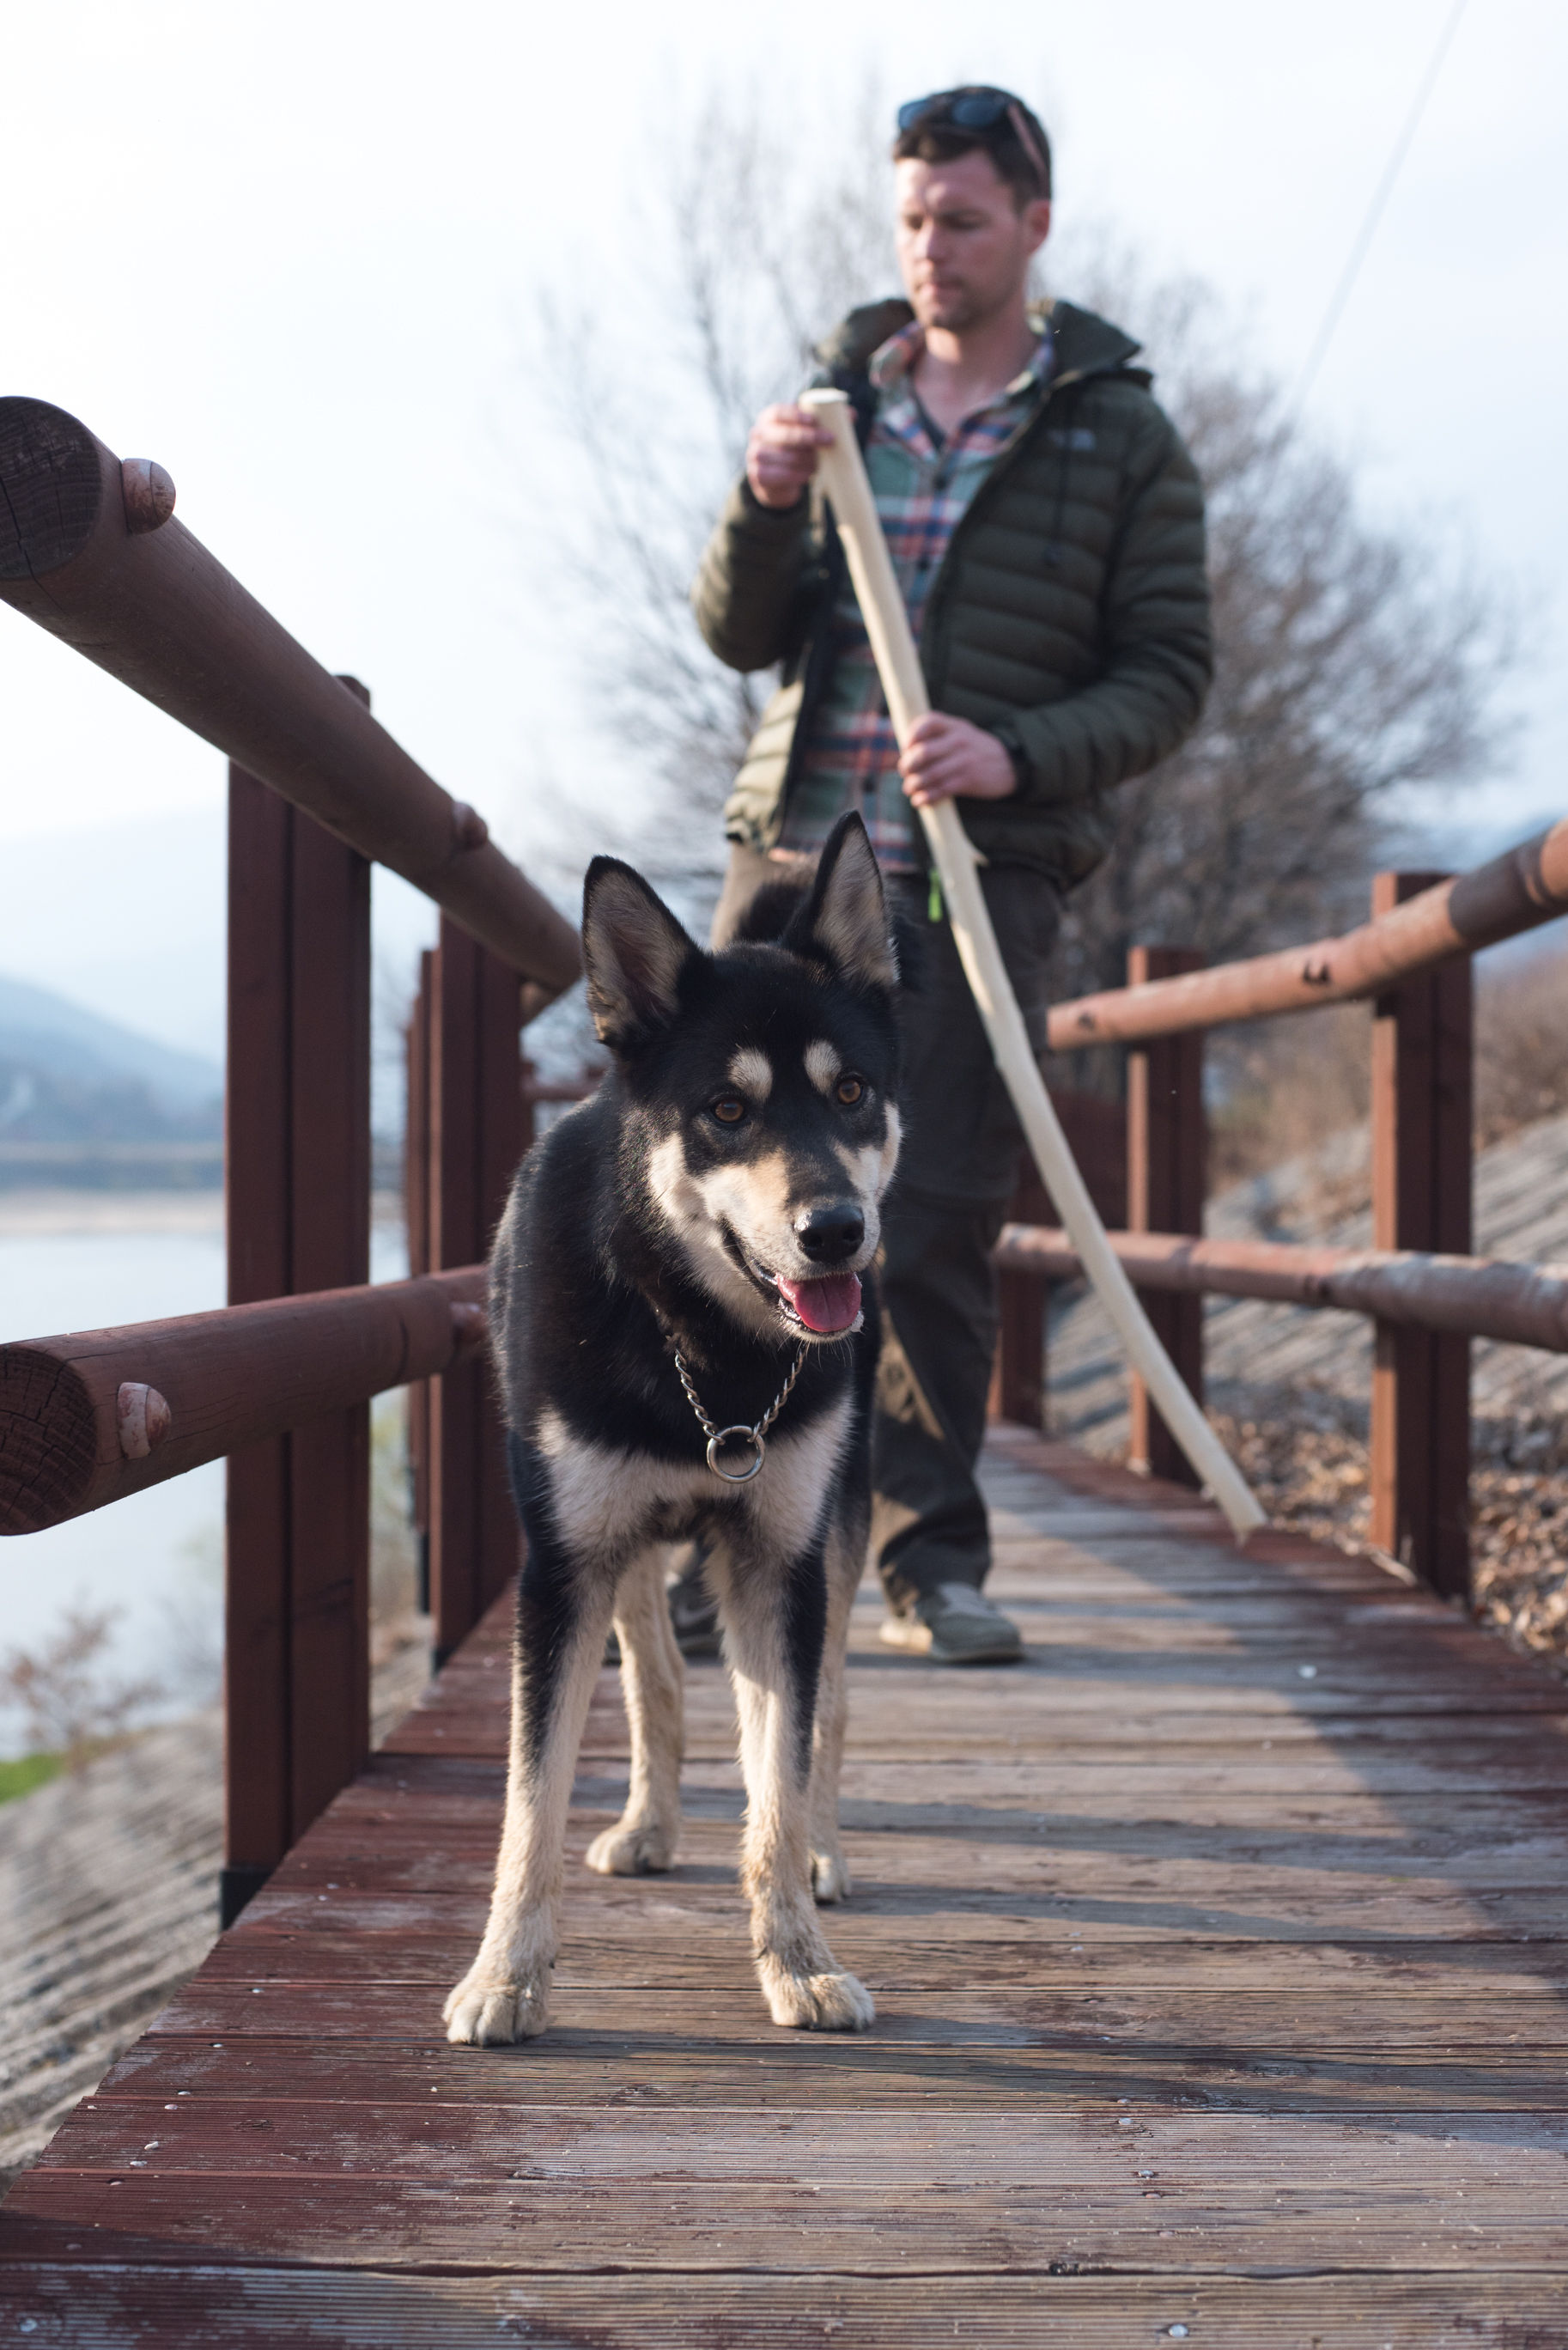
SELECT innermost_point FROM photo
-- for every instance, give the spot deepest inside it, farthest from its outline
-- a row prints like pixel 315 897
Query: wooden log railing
pixel 1465 1296
pixel 94 1416
pixel 317 790
pixel 280 1380
pixel 1514 893
pixel 90 555
pixel 1413 958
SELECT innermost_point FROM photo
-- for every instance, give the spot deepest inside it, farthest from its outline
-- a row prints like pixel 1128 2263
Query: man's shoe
pixel 955 1624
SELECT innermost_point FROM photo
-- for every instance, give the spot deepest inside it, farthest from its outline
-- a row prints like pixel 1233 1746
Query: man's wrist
pixel 1017 756
pixel 760 505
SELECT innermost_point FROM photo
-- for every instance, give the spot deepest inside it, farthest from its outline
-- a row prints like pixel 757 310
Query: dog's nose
pixel 830 1234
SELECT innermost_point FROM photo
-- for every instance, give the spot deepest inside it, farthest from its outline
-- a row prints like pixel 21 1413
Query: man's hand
pixel 947 758
pixel 781 455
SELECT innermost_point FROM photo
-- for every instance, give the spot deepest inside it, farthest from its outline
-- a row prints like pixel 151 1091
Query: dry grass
pixel 1522 1045
pixel 1309 1469
pixel 1290 1085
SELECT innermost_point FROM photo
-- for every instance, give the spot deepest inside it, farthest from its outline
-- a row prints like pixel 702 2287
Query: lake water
pixel 155 1559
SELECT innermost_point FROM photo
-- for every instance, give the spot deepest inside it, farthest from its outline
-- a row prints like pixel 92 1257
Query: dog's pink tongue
pixel 830 1304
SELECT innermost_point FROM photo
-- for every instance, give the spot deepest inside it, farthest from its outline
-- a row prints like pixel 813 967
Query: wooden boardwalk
pixel 1222 1961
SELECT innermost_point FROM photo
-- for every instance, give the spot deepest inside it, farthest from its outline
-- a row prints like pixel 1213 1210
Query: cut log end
pixel 48 1440
pixel 52 479
pixel 149 495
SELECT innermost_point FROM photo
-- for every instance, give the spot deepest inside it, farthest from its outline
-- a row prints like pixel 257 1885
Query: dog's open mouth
pixel 827 1304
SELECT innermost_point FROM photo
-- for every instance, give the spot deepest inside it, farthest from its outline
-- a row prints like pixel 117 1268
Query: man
pixel 1046 527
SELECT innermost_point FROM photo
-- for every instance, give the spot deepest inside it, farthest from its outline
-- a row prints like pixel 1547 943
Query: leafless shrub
pixel 754 250
pixel 70 1703
pixel 394 1563
pixel 1290 1086
pixel 1522 1045
pixel 1353 662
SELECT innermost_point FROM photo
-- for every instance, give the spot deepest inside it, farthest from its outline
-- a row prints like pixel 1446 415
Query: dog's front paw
pixel 829 1877
pixel 642 1851
pixel 816 2002
pixel 483 2012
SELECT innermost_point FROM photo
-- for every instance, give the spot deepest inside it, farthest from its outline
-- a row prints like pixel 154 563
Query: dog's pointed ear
pixel 844 919
pixel 635 951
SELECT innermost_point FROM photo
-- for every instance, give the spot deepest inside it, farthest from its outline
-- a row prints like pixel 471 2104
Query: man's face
pixel 964 247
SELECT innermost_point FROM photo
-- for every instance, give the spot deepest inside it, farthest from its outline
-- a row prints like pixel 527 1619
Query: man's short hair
pixel 934 137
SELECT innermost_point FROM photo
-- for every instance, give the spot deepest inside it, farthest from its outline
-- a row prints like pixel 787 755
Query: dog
pixel 684 1324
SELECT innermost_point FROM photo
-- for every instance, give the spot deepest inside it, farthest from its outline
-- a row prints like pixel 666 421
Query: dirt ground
pixel 1309 1469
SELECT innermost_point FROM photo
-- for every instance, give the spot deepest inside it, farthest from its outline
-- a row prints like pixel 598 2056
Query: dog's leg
pixel 829 1869
pixel 562 1615
pixel 653 1680
pixel 775 1616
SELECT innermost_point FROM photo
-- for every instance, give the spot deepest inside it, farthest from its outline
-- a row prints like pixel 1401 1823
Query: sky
pixel 291 252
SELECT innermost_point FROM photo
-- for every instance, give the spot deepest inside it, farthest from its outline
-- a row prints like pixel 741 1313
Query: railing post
pixel 296 1649
pixel 416 1225
pixel 1018 1367
pixel 1168 1145
pixel 477 1133
pixel 1096 1136
pixel 1422 1076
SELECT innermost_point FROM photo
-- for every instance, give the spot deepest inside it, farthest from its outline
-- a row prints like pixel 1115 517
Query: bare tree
pixel 1351 664
pixel 70 1706
pixel 761 252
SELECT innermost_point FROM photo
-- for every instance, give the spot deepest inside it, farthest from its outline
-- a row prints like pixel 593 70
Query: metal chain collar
pixel 718 1436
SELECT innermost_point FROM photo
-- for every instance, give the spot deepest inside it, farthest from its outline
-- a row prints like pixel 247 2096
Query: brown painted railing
pixel 280 1379
pixel 1454 915
pixel 1413 960
pixel 1479 1297
pixel 89 550
pixel 95 1415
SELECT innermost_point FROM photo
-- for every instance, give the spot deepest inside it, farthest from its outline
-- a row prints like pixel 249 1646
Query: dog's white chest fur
pixel 607 1497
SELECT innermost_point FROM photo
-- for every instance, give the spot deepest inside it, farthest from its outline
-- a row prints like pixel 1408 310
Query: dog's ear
pixel 635 951
pixel 844 919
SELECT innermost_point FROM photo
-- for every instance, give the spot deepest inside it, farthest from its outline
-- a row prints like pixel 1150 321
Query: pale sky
pixel 287 249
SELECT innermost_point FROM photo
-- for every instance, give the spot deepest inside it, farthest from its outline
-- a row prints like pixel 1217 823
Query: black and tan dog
pixel 685 1350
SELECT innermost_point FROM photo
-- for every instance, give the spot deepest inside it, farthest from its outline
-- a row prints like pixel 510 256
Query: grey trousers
pixel 956 1175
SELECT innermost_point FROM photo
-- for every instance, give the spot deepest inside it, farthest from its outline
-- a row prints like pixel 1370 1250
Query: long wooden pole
pixel 893 645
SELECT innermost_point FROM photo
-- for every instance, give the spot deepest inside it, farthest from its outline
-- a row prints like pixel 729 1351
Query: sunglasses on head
pixel 976 110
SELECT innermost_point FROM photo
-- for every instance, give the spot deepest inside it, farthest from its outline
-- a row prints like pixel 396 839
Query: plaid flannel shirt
pixel 921 491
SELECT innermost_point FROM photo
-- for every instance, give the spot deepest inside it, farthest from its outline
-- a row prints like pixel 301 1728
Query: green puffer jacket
pixel 1070 615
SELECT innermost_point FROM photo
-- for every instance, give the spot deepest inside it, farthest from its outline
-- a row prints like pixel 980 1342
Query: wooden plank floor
pixel 1221 1955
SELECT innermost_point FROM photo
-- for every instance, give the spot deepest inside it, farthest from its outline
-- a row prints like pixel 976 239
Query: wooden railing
pixel 279 1381
pixel 1425 1294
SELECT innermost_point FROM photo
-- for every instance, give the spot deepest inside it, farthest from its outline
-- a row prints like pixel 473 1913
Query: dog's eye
pixel 729 1111
pixel 850 1090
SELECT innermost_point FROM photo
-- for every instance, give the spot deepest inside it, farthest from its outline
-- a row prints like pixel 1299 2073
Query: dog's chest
pixel 608 1498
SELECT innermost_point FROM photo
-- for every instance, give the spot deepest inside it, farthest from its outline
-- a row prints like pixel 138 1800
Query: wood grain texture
pixel 1209 1995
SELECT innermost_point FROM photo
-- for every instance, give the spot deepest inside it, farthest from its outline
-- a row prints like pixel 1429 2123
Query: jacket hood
pixel 1085 345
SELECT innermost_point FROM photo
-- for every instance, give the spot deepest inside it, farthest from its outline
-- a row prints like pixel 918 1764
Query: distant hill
pixel 85 1100
pixel 41 1029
